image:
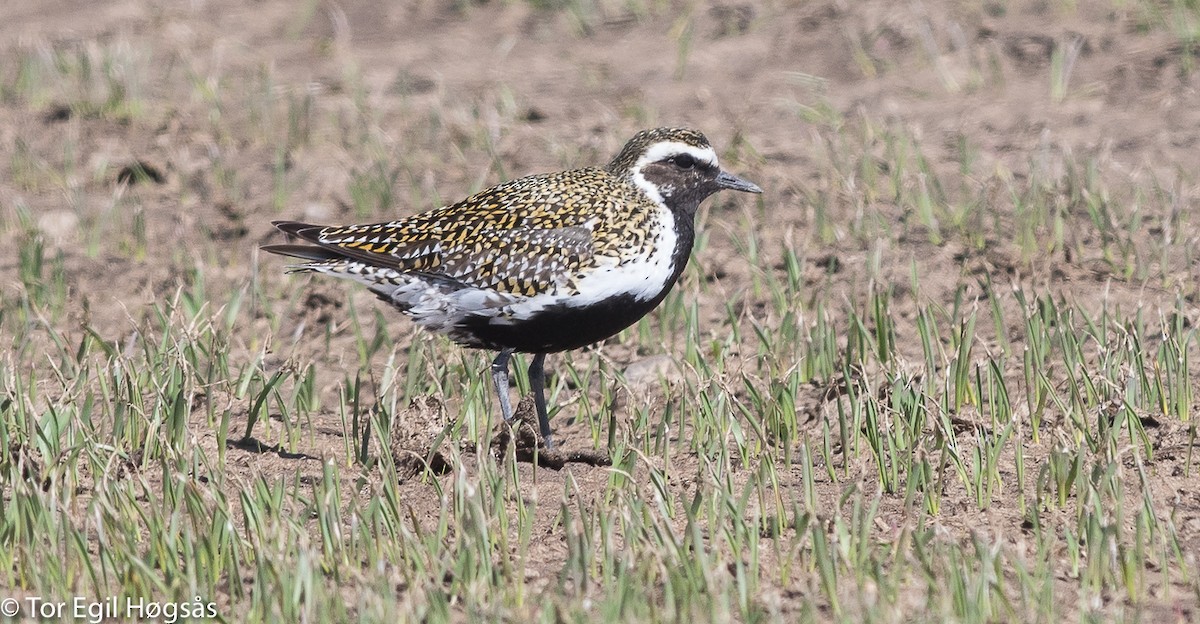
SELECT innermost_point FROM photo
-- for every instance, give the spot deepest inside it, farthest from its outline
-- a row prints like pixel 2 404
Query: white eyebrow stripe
pixel 663 149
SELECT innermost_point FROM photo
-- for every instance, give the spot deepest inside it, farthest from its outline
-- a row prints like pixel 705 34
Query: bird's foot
pixel 529 446
pixel 522 430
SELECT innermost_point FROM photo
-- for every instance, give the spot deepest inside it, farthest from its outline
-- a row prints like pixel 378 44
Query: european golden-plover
pixel 541 264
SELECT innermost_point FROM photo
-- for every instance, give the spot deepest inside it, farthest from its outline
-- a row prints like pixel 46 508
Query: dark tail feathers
pixel 306 232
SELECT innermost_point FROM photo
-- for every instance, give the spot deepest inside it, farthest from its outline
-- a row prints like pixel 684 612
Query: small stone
pixel 315 212
pixel 58 225
pixel 651 370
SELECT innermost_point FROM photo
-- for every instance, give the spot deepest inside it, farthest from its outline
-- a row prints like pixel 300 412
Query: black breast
pixel 560 327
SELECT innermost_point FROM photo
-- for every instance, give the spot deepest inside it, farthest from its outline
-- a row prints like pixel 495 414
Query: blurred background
pixel 971 279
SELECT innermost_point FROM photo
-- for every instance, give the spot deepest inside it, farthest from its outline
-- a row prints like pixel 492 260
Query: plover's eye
pixel 684 161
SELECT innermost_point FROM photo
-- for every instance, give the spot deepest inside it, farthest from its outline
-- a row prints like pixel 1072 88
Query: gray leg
pixel 500 379
pixel 537 383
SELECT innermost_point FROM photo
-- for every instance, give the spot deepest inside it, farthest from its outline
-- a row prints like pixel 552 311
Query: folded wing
pixel 520 260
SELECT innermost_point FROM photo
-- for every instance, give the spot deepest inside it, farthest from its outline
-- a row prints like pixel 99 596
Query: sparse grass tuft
pixel 922 378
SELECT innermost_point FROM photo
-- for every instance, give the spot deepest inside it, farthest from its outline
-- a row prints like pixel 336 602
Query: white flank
pixel 441 307
pixel 642 277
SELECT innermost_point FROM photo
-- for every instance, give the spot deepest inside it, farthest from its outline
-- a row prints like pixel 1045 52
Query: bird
pixel 541 264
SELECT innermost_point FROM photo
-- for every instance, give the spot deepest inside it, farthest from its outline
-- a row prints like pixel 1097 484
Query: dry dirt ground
pixel 244 112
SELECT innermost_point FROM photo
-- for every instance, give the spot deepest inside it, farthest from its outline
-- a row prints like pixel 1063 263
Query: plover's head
pixel 676 167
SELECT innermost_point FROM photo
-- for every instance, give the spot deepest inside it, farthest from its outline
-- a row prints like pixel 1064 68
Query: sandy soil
pixel 454 90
